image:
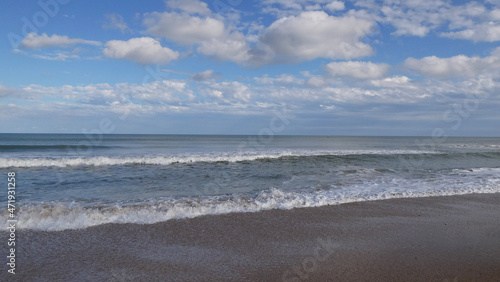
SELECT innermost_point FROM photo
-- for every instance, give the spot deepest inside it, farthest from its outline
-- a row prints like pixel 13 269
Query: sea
pixel 74 181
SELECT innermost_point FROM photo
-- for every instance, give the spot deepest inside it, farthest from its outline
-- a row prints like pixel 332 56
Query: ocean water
pixel 77 181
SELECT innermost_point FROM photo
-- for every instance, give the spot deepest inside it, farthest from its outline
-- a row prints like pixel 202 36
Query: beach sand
pixel 454 238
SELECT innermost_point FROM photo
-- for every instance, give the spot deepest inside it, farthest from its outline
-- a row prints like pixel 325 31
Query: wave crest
pixel 59 216
pixel 167 160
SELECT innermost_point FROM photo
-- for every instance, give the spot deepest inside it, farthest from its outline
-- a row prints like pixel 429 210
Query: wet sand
pixel 454 238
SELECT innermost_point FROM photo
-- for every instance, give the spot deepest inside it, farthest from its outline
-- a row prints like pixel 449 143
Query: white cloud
pixel 169 91
pixel 115 21
pixel 493 2
pixel 285 8
pixel 316 82
pixel 231 92
pixel 317 35
pixel 355 69
pixel 314 7
pixel 166 91
pixel 283 79
pixel 419 17
pixel 143 50
pixel 57 56
pixel 236 98
pixel 189 6
pixel 183 28
pixel 487 32
pixel 457 66
pixel 475 22
pixel 470 21
pixel 210 34
pixel 232 47
pixel 393 82
pixel 204 75
pixel 335 6
pixel 35 41
pixel 416 20
pixel 297 38
pixel 4 91
pixel 288 4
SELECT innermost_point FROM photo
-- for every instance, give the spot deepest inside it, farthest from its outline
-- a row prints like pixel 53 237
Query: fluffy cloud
pixel 57 56
pixel 393 82
pixel 231 92
pixel 284 8
pixel 115 21
pixel 234 93
pixel 457 66
pixel 474 22
pixel 158 99
pixel 335 6
pixel 316 82
pixel 143 50
pixel 4 91
pixel 434 66
pixel 35 41
pixel 487 32
pixel 189 6
pixel 283 79
pixel 413 17
pixel 166 91
pixel 315 34
pixel 232 47
pixel 210 34
pixel 204 75
pixel 471 21
pixel 310 35
pixel 183 28
pixel 359 70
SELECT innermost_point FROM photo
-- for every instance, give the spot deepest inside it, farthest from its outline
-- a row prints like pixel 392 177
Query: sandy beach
pixel 455 238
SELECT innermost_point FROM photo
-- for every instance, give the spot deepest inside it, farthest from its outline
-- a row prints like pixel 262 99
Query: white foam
pixel 484 170
pixel 167 160
pixel 58 216
pixel 474 146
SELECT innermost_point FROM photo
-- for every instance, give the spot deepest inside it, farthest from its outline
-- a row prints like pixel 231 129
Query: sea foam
pixel 193 158
pixel 60 216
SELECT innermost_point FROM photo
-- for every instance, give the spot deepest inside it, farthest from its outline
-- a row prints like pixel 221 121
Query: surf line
pixel 106 126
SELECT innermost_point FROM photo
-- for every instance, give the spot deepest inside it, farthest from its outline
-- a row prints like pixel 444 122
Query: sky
pixel 271 67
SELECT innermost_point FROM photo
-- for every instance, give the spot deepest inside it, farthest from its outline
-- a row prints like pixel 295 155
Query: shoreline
pixel 445 238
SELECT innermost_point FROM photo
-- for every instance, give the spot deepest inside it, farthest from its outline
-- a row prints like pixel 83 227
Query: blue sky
pixel 416 67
